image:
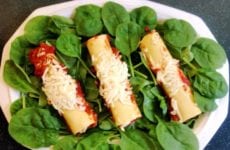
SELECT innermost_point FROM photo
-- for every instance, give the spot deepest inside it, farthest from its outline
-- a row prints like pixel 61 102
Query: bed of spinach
pixel 36 124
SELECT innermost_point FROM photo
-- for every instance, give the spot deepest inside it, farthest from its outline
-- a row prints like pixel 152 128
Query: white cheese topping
pixel 113 76
pixel 169 77
pixel 60 88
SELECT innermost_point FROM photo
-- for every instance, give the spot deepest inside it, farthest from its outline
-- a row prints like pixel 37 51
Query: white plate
pixel 205 126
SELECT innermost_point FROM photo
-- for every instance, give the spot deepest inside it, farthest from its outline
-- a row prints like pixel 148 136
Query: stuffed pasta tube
pixel 63 92
pixel 171 78
pixel 114 84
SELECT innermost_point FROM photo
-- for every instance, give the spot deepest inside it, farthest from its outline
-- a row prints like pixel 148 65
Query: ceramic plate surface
pixel 206 125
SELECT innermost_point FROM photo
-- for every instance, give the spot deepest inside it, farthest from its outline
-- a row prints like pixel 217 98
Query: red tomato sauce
pixel 88 109
pixel 41 57
pixel 183 77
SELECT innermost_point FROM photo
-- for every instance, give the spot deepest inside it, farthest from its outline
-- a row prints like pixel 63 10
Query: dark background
pixel 216 14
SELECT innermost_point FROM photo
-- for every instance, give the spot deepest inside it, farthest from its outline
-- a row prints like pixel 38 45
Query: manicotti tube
pixel 114 84
pixel 170 77
pixel 63 92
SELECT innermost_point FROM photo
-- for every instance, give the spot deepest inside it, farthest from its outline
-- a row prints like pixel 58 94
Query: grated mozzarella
pixel 169 77
pixel 60 88
pixel 113 76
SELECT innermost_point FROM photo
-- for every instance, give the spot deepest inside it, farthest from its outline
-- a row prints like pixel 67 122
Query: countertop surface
pixel 216 15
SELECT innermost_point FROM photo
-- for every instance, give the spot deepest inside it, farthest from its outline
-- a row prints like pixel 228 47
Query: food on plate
pixel 113 75
pixel 63 92
pixel 137 86
pixel 170 77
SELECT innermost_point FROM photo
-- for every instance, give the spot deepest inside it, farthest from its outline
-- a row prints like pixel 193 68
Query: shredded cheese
pixel 60 88
pixel 113 76
pixel 169 77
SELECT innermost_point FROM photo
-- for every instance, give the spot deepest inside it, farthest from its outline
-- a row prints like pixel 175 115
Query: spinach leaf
pixel 81 73
pixel 91 89
pixel 88 20
pixel 186 55
pixel 208 53
pixel 18 50
pixel 139 83
pixel 69 62
pixel 36 29
pixel 149 104
pixel 144 16
pixel 66 143
pixel 114 14
pixel 142 123
pixel 178 33
pixel 36 81
pixel 18 104
pixel 152 100
pixel 15 77
pixel 161 99
pixel 69 45
pixel 127 37
pixel 42 101
pixel 105 124
pixel 205 104
pixel 183 54
pixel 210 84
pixel 177 136
pixel 34 127
pixel 60 24
pixel 134 139
pixel 94 141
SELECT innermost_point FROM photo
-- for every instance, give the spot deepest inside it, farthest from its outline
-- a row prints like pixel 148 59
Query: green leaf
pixel 60 24
pixel 208 53
pixel 91 89
pixel 161 99
pixel 69 62
pixel 18 50
pixel 69 45
pixel 134 139
pixel 144 16
pixel 127 37
pixel 114 14
pixel 149 104
pixel 66 143
pixel 36 81
pixel 88 20
pixel 18 104
pixel 176 136
pixel 15 77
pixel 94 141
pixel 178 33
pixel 105 124
pixel 210 84
pixel 205 104
pixel 139 83
pixel 34 127
pixel 42 101
pixel 36 29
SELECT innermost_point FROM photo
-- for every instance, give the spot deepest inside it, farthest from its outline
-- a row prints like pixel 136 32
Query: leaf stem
pixel 86 67
pixel 190 65
pixel 131 66
pixel 77 68
pixel 137 65
pixel 147 67
pixel 23 101
pixel 140 74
